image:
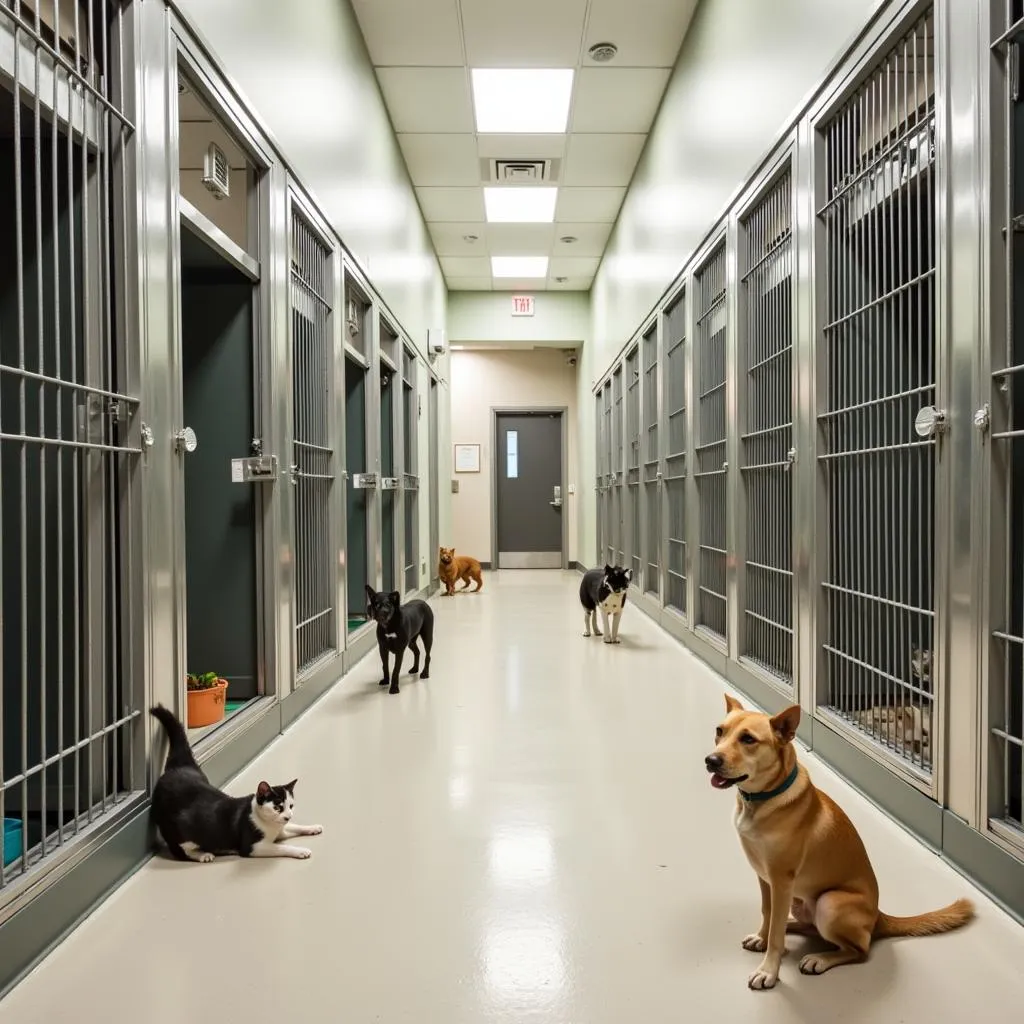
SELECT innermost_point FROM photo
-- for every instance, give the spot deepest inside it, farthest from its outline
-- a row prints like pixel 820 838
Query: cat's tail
pixel 180 755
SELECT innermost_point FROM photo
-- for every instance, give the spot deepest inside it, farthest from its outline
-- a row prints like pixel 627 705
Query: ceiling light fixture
pixel 519 266
pixel 522 100
pixel 524 205
pixel 602 52
pixel 569 239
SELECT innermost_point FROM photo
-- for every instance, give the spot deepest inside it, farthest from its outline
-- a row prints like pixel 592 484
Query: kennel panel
pixel 676 454
pixel 766 439
pixel 876 418
pixel 710 450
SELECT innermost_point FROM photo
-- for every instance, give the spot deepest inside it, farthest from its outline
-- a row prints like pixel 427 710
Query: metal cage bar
pixel 599 471
pixel 69 462
pixel 651 466
pixel 313 447
pixel 676 443
pixel 710 450
pixel 608 495
pixel 878 352
pixel 766 439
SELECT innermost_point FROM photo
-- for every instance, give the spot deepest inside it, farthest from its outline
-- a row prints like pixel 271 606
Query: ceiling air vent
pixel 216 171
pixel 503 171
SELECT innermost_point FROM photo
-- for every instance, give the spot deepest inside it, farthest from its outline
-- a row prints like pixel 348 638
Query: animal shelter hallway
pixel 527 836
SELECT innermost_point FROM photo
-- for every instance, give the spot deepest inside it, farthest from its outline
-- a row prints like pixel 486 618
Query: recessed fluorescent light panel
pixel 519 266
pixel 520 205
pixel 522 100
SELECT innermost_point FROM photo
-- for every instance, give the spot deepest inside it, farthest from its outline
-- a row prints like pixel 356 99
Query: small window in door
pixel 511 454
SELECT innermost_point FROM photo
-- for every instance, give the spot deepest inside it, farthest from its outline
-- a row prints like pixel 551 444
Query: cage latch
pixel 790 459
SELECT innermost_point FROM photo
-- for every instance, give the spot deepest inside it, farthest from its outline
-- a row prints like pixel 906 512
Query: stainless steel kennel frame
pixel 314 444
pixel 631 515
pixel 878 425
pixel 70 447
pixel 676 445
pixel 650 457
pixel 710 452
pixel 410 469
pixel 767 435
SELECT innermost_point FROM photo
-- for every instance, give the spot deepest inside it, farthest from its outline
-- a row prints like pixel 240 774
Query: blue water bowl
pixel 12 839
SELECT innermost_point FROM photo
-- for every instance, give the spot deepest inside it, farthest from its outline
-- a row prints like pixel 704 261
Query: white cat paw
pixel 204 858
pixel 314 830
pixel 301 853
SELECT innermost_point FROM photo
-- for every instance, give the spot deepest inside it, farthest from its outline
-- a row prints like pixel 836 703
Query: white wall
pixel 483 380
pixel 560 319
pixel 744 69
pixel 304 71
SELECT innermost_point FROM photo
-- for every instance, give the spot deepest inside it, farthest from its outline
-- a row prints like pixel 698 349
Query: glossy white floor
pixel 528 836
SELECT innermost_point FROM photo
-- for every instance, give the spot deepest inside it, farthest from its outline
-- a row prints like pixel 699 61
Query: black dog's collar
pixel 777 791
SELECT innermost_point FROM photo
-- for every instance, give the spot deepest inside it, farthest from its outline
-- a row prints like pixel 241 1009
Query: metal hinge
pixel 790 459
pixel 1013 70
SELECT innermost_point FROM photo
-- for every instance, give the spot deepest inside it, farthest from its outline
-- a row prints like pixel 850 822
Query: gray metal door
pixel 529 490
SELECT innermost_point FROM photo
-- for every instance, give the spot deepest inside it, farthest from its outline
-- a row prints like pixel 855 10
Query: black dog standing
pixel 398 627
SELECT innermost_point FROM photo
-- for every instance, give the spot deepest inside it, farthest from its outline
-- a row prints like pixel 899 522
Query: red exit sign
pixel 522 305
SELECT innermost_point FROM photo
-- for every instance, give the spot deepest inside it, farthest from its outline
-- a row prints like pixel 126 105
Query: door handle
pixel 555 503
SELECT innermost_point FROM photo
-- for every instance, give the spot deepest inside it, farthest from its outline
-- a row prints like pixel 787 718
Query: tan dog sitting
pixel 805 851
pixel 452 567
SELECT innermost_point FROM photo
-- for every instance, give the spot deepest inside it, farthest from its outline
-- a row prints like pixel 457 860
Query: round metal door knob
pixel 929 421
pixel 185 441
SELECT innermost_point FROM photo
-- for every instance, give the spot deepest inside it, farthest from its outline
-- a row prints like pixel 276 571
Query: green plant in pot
pixel 207 696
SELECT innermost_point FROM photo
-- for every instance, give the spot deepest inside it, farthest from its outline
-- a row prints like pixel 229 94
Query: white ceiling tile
pixel 571 284
pixel 617 99
pixel 591 239
pixel 520 239
pixel 411 32
pixel 602 159
pixel 522 147
pixel 466 266
pixel 523 33
pixel 589 204
pixel 572 266
pixel 449 238
pixel 451 204
pixel 525 284
pixel 427 99
pixel 648 33
pixel 468 284
pixel 441 159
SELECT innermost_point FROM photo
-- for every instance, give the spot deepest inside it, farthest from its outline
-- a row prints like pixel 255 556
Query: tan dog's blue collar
pixel 777 791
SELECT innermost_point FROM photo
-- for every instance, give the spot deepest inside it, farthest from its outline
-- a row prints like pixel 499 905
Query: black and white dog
pixel 604 589
pixel 399 626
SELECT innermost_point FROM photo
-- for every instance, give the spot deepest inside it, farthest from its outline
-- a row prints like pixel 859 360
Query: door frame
pixel 562 412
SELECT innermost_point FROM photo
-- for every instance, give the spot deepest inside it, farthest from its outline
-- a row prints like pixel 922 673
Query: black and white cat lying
pixel 604 590
pixel 198 821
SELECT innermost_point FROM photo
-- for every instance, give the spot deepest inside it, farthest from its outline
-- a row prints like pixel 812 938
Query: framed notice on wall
pixel 467 458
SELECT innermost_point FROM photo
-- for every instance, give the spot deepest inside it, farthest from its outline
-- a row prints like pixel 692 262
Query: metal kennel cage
pixel 877 424
pixel 766 431
pixel 710 449
pixel 650 457
pixel 607 507
pixel 70 435
pixel 313 446
pixel 410 469
pixel 674 329
pixel 599 470
pixel 1003 414
pixel 631 514
pixel 618 533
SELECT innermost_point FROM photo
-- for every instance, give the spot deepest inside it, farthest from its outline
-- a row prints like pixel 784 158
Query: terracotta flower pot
pixel 206 707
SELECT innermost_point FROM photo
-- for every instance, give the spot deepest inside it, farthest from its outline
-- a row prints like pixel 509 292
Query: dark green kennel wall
pixel 356 500
pixel 220 516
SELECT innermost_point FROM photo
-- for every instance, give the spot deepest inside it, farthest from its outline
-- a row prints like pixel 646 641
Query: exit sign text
pixel 522 305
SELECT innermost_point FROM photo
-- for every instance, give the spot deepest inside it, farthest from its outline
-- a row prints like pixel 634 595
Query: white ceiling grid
pixel 423 51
